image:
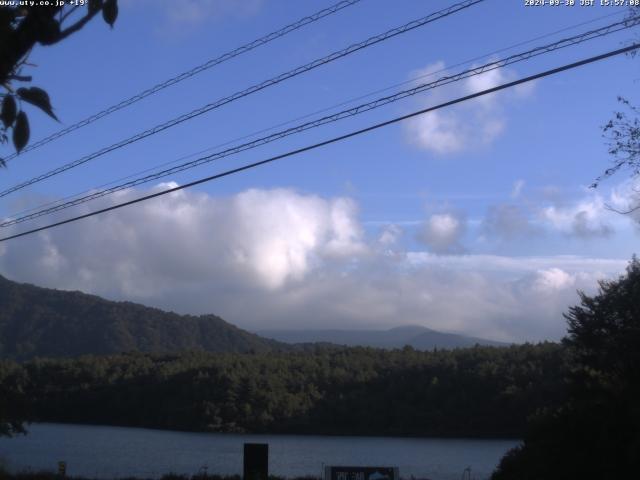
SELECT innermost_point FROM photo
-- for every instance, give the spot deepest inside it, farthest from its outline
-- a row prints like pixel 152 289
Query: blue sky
pixel 477 219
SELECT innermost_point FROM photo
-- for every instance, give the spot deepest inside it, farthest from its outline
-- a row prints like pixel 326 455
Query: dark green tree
pixel 21 29
pixel 13 403
pixel 596 432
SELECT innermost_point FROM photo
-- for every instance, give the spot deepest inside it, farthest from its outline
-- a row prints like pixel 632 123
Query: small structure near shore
pixel 256 461
pixel 361 473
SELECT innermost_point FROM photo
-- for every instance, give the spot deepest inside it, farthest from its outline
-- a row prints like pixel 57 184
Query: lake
pixel 111 452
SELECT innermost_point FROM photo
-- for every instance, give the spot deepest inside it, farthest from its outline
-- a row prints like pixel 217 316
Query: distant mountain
pixel 45 322
pixel 420 338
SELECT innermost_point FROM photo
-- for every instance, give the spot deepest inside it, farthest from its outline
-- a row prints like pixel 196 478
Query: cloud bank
pixel 281 258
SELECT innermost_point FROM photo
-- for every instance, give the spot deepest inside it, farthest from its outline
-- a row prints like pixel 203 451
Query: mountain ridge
pixel 416 336
pixel 44 322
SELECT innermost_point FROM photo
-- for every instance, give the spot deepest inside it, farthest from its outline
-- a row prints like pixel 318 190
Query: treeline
pixel 481 391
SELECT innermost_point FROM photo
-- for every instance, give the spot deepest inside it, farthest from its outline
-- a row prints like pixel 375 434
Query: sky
pixel 474 219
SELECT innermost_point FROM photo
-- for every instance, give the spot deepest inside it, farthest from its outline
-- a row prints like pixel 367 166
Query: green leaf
pixel 8 114
pixel 95 5
pixel 21 131
pixel 110 11
pixel 38 97
pixel 48 31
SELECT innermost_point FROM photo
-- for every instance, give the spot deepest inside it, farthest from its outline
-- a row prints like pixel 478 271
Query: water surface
pixel 112 452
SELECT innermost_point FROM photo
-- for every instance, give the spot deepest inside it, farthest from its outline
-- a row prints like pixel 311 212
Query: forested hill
pixel 418 337
pixel 44 322
pixel 480 391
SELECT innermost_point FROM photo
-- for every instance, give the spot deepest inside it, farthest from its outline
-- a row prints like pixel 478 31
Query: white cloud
pixel 439 132
pixel 552 279
pixel 390 235
pixel 268 237
pixel 473 124
pixel 516 191
pixel 584 219
pixel 442 232
pixel 508 221
pixel 626 198
pixel 552 212
pixel 280 258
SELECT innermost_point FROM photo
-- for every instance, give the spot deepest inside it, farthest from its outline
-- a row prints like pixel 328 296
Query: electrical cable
pixel 357 110
pixel 190 73
pixel 253 89
pixel 370 128
pixel 311 114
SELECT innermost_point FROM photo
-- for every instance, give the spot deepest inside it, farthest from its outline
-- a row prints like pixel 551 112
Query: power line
pixel 253 89
pixel 357 110
pixel 311 114
pixel 190 73
pixel 370 128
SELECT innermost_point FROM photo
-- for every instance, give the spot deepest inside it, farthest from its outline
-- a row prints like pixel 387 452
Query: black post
pixel 256 461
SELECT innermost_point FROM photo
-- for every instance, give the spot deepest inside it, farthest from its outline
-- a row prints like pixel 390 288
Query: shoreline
pixel 280 434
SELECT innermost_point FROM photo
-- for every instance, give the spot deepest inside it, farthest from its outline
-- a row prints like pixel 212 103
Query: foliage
pixel 13 403
pixel 43 322
pixel 623 138
pixel 595 433
pixel 22 27
pixel 481 391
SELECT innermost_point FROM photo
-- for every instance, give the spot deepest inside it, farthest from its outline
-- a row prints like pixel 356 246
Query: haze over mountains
pixel 418 337
pixel 42 322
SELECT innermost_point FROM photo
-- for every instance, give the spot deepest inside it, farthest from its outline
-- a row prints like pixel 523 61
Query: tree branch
pixel 622 212
pixel 20 78
pixel 78 25
pixel 69 12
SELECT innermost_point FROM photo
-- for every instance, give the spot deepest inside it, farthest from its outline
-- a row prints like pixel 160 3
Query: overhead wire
pixel 189 73
pixel 412 80
pixel 253 89
pixel 330 141
pixel 325 109
pixel 359 109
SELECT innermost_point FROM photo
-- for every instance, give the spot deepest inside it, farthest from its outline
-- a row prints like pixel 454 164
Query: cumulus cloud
pixel 443 232
pixel 549 211
pixel 584 219
pixel 281 258
pixel 473 124
pixel 390 235
pixel 508 221
pixel 524 296
pixel 551 280
pixel 265 238
pixel 626 198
